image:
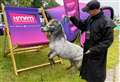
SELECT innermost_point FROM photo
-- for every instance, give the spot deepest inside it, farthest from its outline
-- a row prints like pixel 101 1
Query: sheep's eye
pixel 52 26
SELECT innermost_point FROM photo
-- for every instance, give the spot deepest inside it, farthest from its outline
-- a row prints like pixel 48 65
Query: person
pixel 99 37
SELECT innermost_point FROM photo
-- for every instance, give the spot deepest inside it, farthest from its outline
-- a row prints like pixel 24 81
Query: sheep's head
pixel 52 26
pixel 54 29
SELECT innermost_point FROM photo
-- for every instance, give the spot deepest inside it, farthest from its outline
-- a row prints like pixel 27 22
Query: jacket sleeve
pixel 78 23
pixel 107 34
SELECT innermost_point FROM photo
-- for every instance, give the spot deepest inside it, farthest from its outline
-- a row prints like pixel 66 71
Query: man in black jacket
pixel 99 37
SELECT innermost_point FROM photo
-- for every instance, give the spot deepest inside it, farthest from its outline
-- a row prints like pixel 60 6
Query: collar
pixel 98 15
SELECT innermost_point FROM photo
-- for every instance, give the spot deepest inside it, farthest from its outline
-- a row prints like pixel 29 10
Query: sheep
pixel 62 47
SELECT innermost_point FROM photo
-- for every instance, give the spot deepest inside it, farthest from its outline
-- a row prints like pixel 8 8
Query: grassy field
pixel 46 74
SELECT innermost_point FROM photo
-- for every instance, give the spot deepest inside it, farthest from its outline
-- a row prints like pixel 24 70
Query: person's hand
pixel 65 18
pixel 87 52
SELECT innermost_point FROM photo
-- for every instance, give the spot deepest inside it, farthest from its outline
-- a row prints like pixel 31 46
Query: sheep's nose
pixel 42 29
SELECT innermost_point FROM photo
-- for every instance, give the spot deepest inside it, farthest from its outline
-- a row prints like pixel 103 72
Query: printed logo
pixel 23 18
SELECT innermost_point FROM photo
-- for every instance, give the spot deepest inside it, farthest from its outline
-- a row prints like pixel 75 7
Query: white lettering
pixel 23 19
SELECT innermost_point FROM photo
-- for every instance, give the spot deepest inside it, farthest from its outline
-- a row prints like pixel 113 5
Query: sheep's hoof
pixel 68 68
pixel 52 62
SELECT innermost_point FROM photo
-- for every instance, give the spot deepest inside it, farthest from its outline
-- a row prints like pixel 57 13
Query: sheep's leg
pixel 78 64
pixel 71 65
pixel 52 54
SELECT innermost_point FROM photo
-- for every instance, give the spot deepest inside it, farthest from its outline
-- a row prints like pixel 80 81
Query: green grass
pixel 113 53
pixel 58 73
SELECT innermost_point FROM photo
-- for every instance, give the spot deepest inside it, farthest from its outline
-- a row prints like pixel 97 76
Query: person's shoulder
pixel 102 20
pixel 109 21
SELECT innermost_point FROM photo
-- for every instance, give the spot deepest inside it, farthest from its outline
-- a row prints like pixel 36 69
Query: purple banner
pixel 72 8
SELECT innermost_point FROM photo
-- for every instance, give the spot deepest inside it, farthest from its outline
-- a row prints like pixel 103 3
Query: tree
pixel 51 0
pixel 24 3
pixel 37 3
pixel 31 3
pixel 21 3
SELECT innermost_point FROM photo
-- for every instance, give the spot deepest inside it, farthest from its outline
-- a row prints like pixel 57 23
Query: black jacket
pixel 98 40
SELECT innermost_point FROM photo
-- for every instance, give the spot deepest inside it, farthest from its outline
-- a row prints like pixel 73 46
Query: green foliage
pixel 21 3
pixel 24 3
pixel 30 3
pixel 52 4
pixel 36 3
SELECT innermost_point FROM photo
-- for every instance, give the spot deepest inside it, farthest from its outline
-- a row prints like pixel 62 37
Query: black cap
pixel 94 4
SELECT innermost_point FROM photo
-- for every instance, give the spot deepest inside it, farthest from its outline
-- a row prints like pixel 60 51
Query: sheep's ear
pixel 50 22
pixel 55 22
